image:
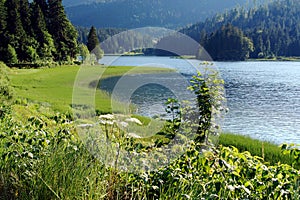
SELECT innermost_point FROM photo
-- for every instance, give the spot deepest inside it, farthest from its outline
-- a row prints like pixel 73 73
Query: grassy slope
pixel 269 151
pixel 54 86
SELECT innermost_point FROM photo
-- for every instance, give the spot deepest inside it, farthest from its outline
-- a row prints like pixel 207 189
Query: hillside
pixel 273 28
pixel 141 13
pixel 69 3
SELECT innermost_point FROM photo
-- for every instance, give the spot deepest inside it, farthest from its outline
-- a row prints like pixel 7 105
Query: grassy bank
pixel 54 86
pixel 269 151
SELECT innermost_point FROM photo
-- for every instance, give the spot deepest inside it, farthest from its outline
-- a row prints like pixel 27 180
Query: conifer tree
pixel 11 55
pixel 46 47
pixel 25 16
pixel 93 43
pixel 62 31
pixel 3 15
pixel 93 40
pixel 43 6
pixel 14 24
pixel 15 31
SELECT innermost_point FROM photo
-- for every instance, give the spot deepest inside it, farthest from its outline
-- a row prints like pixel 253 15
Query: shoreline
pixel 192 57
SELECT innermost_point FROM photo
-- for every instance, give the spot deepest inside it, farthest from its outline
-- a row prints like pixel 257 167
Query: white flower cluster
pixel 110 119
pixel 121 121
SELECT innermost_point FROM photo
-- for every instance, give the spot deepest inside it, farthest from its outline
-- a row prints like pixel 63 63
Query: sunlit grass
pixel 269 151
pixel 55 86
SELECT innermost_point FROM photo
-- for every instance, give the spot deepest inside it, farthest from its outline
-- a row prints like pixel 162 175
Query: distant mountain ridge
pixel 70 3
pixel 141 13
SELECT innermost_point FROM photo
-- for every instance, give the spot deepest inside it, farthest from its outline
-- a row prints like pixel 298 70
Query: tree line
pixel 273 29
pixel 36 31
pixel 118 40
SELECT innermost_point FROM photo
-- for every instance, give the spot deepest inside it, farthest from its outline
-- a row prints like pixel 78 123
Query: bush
pixel 270 152
pixel 6 91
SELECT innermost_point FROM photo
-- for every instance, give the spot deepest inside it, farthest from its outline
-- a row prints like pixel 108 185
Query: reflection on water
pixel 150 99
pixel 148 92
pixel 263 97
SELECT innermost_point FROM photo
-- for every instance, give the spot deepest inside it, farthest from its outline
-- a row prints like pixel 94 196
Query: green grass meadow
pixel 55 86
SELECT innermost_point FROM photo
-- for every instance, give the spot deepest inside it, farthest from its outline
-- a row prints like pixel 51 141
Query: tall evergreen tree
pixel 15 31
pixel 63 32
pixel 25 16
pixel 11 55
pixel 3 15
pixel 46 47
pixel 43 6
pixel 14 23
pixel 93 40
pixel 93 43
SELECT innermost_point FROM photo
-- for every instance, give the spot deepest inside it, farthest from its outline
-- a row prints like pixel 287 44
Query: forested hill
pixel 141 13
pixel 274 28
pixel 69 3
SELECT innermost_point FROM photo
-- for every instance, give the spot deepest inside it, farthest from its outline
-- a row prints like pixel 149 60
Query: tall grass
pixel 269 151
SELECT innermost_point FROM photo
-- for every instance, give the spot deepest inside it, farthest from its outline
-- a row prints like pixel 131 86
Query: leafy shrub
pixel 222 173
pixel 270 152
pixel 22 147
pixel 6 91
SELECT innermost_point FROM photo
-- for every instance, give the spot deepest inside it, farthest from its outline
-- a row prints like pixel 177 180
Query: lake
pixel 263 97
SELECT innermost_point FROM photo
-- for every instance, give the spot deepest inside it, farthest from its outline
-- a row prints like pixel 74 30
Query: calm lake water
pixel 263 97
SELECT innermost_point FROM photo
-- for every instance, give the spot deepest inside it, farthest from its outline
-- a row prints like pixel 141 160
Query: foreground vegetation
pixel 270 152
pixel 44 158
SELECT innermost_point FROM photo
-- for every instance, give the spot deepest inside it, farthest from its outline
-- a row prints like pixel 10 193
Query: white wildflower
pixel 231 188
pixel 134 120
pixel 133 135
pixel 106 122
pixel 110 122
pixel 107 117
pixel 103 122
pixel 85 125
pixel 124 124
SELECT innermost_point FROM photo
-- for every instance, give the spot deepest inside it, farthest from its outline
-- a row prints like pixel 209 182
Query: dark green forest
pixel 142 13
pixel 264 31
pixel 36 32
pixel 227 43
pixel 273 28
